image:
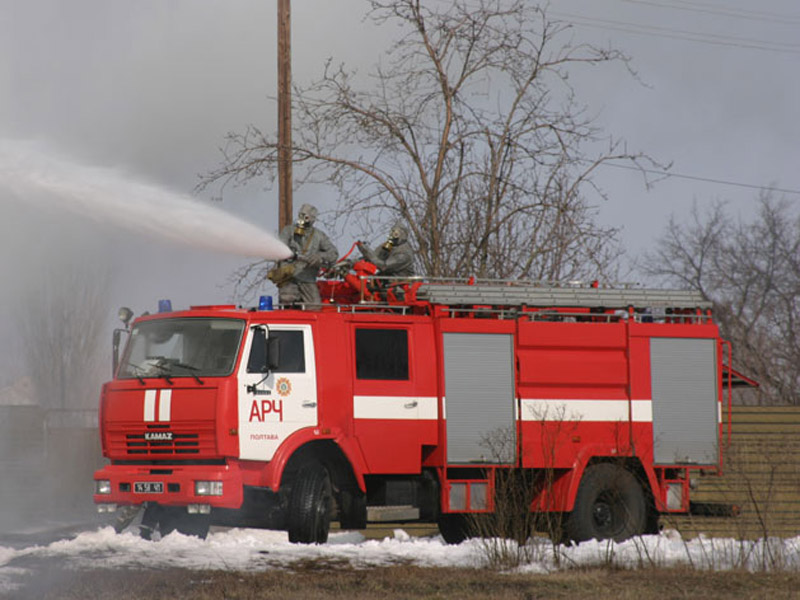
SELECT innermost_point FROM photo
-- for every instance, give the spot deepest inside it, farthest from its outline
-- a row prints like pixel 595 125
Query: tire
pixel 453 527
pixel 310 506
pixel 610 504
pixel 353 510
pixel 653 526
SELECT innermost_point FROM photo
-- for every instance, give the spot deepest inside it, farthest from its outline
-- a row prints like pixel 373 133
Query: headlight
pixel 208 488
pixel 102 486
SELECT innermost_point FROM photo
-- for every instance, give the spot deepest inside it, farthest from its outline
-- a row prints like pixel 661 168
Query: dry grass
pixel 308 582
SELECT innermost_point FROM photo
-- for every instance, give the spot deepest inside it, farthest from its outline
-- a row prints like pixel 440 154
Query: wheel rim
pixel 322 513
pixel 608 514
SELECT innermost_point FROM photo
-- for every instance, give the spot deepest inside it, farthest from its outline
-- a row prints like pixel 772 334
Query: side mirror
pixel 264 352
pixel 273 353
pixel 115 343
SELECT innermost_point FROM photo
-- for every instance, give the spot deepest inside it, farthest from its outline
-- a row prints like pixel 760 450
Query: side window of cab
pixel 382 354
pixel 286 344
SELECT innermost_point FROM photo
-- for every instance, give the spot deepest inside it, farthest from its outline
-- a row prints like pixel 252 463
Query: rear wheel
pixel 455 528
pixel 310 506
pixel 610 504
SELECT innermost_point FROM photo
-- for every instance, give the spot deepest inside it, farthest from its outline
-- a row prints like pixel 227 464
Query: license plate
pixel 148 487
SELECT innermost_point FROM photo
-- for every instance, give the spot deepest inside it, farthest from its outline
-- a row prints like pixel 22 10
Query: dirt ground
pixel 312 580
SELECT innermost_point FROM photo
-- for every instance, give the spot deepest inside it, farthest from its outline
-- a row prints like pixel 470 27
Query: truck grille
pixel 185 440
pixel 181 443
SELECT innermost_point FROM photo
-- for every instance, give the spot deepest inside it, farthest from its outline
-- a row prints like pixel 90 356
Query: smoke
pixel 30 176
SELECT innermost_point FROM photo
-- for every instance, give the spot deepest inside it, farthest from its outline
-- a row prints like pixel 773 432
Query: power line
pixel 692 36
pixel 663 173
pixel 713 38
pixel 713 9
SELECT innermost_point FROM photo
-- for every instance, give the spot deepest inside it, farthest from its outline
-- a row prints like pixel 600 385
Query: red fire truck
pixel 384 402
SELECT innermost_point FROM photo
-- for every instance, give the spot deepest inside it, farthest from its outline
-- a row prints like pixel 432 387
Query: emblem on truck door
pixel 283 386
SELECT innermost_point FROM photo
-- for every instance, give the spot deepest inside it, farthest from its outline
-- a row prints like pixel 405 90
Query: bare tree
pixel 751 272
pixel 63 314
pixel 470 133
pixel 62 319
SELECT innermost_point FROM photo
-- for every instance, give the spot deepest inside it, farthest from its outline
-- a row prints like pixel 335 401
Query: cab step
pixel 387 514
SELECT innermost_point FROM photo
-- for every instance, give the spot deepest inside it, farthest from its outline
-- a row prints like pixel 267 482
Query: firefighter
pixel 296 277
pixel 394 258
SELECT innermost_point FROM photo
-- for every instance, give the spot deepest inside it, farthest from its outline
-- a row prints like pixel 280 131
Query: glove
pixel 365 251
pixel 313 260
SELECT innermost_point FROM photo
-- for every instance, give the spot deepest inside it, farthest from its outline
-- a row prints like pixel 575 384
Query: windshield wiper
pixel 135 372
pixel 160 365
pixel 188 368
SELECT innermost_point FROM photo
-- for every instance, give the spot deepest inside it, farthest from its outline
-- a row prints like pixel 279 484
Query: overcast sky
pixel 152 86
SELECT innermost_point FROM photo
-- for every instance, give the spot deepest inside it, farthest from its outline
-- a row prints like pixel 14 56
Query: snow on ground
pixel 256 550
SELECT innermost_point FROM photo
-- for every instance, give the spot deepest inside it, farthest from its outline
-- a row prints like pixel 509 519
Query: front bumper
pixel 172 485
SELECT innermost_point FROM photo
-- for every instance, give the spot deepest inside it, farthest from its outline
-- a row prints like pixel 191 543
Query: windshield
pixel 196 347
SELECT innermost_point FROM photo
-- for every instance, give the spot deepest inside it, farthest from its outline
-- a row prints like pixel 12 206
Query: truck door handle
pixel 411 404
pixel 309 404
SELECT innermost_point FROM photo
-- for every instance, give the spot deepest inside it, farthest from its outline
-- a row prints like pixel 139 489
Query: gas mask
pixel 305 219
pixel 396 236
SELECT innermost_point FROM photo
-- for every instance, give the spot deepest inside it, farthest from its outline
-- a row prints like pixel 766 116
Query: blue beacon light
pixel 164 306
pixel 265 303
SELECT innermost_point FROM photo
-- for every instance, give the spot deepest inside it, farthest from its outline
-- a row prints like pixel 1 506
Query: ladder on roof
pixel 512 294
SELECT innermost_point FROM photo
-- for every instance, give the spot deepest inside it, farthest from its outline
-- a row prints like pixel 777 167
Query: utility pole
pixel 284 113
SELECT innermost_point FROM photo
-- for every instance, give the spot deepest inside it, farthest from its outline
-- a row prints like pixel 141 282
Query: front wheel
pixel 610 504
pixel 310 506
